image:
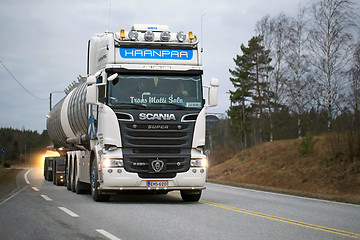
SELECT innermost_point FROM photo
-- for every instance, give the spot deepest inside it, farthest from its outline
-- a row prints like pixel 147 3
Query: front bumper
pixel 119 179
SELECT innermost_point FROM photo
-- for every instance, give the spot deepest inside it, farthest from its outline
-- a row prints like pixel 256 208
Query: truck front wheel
pixel 190 195
pixel 95 192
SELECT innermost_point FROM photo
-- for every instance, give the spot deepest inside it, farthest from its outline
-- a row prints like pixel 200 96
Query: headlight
pixel 198 162
pixel 112 162
pixel 181 36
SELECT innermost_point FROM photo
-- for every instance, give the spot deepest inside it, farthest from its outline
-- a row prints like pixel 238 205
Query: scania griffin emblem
pixel 157 165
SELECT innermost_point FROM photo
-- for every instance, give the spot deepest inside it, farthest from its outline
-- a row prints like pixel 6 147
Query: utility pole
pixel 50 101
pixel 3 155
pixel 25 156
pixel 201 30
pixel 50 97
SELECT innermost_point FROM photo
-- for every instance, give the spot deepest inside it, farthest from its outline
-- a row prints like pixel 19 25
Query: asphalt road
pixel 39 210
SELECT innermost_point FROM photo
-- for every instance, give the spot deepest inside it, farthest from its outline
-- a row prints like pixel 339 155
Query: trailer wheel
pixel 95 192
pixel 45 169
pixel 190 196
pixel 73 175
pixel 68 175
pixel 54 171
pixel 49 175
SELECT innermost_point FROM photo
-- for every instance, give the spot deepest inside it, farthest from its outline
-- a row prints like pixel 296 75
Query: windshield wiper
pixel 131 105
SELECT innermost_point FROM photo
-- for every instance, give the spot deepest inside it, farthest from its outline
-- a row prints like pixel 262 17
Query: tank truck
pixel 137 121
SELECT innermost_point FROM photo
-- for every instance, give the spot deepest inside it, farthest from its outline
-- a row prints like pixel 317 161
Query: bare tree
pixel 278 52
pixel 274 31
pixel 355 84
pixel 298 86
pixel 330 41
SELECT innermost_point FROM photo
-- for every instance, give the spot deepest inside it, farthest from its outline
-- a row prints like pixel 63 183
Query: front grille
pixel 156 150
pixel 147 141
pixel 173 164
pixel 155 135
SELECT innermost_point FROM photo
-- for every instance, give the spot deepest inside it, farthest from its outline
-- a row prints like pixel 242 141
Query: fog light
pixel 181 36
pixel 194 170
pixel 165 36
pixel 202 170
pixel 110 171
pixel 133 35
pixel 149 36
pixel 119 171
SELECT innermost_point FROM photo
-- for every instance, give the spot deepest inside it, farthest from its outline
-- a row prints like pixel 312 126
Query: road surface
pixel 37 209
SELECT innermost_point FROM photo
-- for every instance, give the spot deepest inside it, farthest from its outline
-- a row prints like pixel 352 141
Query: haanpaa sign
pixel 145 53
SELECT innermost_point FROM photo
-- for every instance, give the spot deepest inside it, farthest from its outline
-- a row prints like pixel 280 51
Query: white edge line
pixel 106 234
pixel 69 212
pixel 26 176
pixel 13 195
pixel 35 189
pixel 284 195
pixel 46 198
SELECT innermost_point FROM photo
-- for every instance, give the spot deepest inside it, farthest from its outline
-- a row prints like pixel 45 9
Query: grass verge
pixel 326 170
pixel 7 180
pixel 329 197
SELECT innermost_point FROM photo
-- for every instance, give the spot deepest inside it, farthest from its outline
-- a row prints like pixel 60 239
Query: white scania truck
pixel 137 121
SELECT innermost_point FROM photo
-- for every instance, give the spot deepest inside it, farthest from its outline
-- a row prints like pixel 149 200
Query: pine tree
pixel 241 112
pixel 251 92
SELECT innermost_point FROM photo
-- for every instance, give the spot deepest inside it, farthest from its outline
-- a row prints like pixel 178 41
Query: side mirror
pixel 211 120
pixel 213 92
pixel 92 94
pixel 213 96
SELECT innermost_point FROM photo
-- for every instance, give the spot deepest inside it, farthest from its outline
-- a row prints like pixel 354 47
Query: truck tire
pixel 95 192
pixel 73 176
pixel 190 196
pixel 49 175
pixel 68 175
pixel 54 171
pixel 45 169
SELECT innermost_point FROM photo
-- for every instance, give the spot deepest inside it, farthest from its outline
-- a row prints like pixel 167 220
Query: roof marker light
pixel 149 36
pixel 122 33
pixel 191 36
pixel 181 36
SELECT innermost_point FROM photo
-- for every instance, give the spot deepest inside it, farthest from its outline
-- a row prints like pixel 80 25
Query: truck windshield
pixel 155 91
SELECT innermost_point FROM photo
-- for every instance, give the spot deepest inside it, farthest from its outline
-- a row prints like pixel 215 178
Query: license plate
pixel 157 184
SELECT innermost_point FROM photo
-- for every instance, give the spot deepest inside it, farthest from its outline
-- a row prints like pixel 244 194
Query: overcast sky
pixel 44 43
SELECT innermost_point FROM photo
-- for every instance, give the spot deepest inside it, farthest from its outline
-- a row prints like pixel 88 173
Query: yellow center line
pixel 279 219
